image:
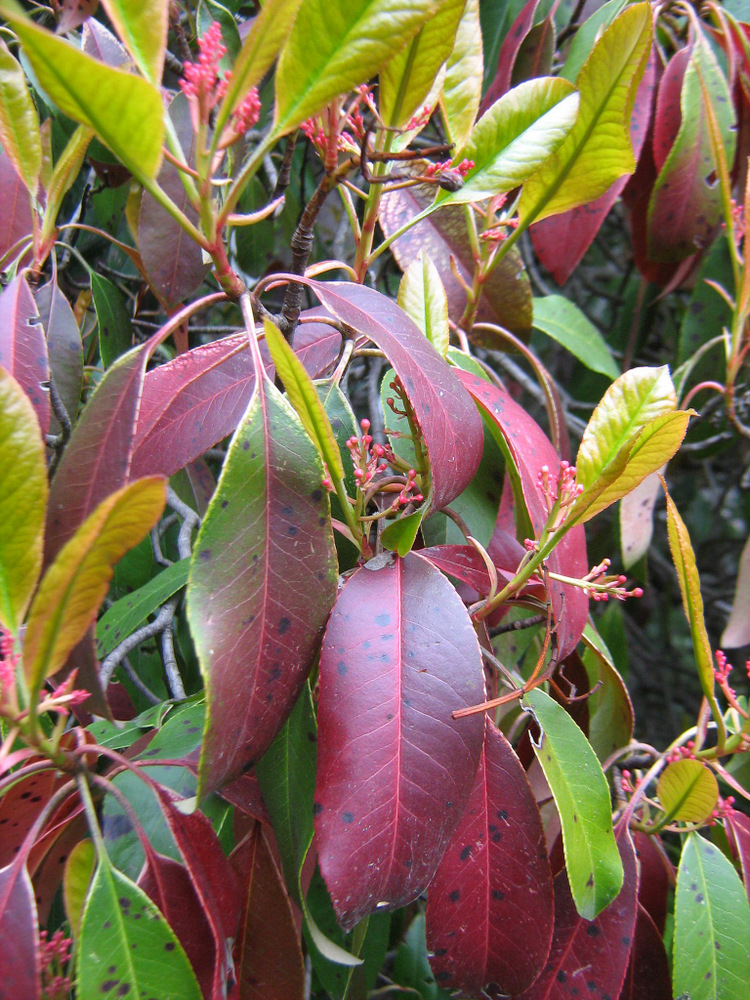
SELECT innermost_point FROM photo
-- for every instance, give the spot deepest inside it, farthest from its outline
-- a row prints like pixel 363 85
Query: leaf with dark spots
pixel 263 600
pixel 23 347
pixel 19 807
pixel 648 974
pixel 590 959
pixel 657 877
pixel 528 448
pixel 451 428
pixel 390 756
pixel 64 347
pixel 490 906
pixel 19 933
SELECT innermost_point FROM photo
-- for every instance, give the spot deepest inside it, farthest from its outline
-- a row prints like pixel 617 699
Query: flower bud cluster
pixel 685 751
pixel 723 808
pixel 54 959
pixel 561 492
pixel 602 586
pixel 462 168
pixel 721 674
pixel 8 662
pixel 368 459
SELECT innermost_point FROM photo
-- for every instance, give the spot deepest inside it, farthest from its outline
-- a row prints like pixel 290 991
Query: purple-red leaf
pixel 73 13
pixel 19 807
pixel 508 52
pixel 316 345
pixel 656 877
pixel 738 833
pixel 23 348
pixel 15 218
pixel 648 976
pixel 63 346
pixel 450 425
pixel 667 113
pixel 20 967
pixel 530 449
pixel 490 907
pixel 394 768
pixel 590 958
pixel 464 563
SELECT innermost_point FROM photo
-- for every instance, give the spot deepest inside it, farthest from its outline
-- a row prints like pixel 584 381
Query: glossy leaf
pixel 610 708
pixel 143 29
pixel 399 655
pixel 19 122
pixel 124 110
pixel 353 39
pixel 585 37
pixel 563 321
pixel 490 907
pixel 76 583
pixel 683 558
pixel 590 958
pixel 648 970
pixel 64 348
pixel 407 78
pixel 422 297
pixel 118 948
pixel 449 423
pixel 597 151
pixel 249 589
pixel 688 791
pixel 23 348
pixel 737 630
pixel 18 927
pixel 131 611
pixel 115 334
pixel 15 219
pixel 711 950
pixel 79 868
pixel 22 505
pixel 508 51
pixel 462 86
pixel 581 795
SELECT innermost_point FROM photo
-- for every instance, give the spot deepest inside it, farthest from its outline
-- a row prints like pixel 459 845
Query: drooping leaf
pixel 115 333
pixel 352 40
pixel 421 295
pixel 688 791
pixel 131 611
pixel 79 868
pixel 18 927
pixel 124 942
pixel 124 110
pixel 711 950
pixel 22 503
pixel 63 346
pixel 462 86
pixel 19 122
pixel 399 655
pixel 610 708
pixel 648 970
pixel 76 583
pixel 597 151
pixel 581 795
pixel 490 907
pixel 15 219
pixel 143 29
pixel 508 51
pixel 249 589
pixel 23 348
pixel 407 77
pixel 561 319
pixel 737 630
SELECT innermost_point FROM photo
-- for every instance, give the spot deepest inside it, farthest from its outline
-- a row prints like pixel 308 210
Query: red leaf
pixel 394 768
pixel 316 345
pixel 23 349
pixel 267 952
pixel 655 878
pixel 15 218
pixel 20 969
pixel 64 347
pixel 450 425
pixel 100 43
pixel 244 794
pixel 19 807
pixel 464 563
pixel 49 854
pixel 590 958
pixel 508 52
pixel 737 826
pixel 490 907
pixel 648 976
pixel 73 13
pixel 530 449
pixel 667 113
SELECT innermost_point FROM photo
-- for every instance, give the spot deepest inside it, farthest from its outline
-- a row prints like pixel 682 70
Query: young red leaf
pixel 20 964
pixel 64 347
pixel 49 854
pixel 737 826
pixel 648 970
pixel 399 655
pixel 667 113
pixel 530 449
pixel 15 219
pixel 23 348
pixel 590 958
pixel 656 876
pixel 490 907
pixel 19 807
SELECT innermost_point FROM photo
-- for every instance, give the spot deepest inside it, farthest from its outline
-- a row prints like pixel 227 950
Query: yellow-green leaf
pixel 124 110
pixel 66 170
pixel 462 87
pixel 142 27
pixel 304 398
pixel 76 583
pixel 76 881
pixel 23 501
pixel 683 558
pixel 336 45
pixel 598 150
pixel 406 79
pixel 422 296
pixel 19 122
pixel 688 791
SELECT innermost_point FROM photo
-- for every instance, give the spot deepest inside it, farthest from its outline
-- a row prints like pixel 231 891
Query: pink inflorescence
pixel 603 586
pixel 8 663
pixel 462 168
pixel 55 956
pixel 721 674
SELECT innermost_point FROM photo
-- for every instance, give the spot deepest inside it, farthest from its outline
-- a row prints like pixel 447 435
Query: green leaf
pixel 421 295
pixel 142 28
pixel 514 137
pixel 561 319
pixel 610 708
pixel 598 150
pixel 336 45
pixel 126 947
pixel 115 335
pixel 581 795
pixel 305 399
pixel 462 87
pixel 130 612
pixel 76 583
pixel 124 110
pixel 711 951
pixel 407 78
pixel 688 791
pixel 683 558
pixel 23 501
pixel 19 122
pixel 76 880
pixel 400 534
pixel 585 37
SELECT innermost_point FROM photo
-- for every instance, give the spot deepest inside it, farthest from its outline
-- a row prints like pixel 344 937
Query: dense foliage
pixel 311 649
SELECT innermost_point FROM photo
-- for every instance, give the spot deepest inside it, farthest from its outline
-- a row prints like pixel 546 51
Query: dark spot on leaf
pixel 495 834
pixel 383 619
pixel 502 814
pixel 498 895
pixel 112 969
pixel 341 668
pixel 169 946
pixel 123 989
pixel 466 853
pixel 626 940
pixel 455 896
pixel 389 716
pixel 591 986
pixel 316 496
pixel 124 902
pixel 348 817
pixel 292 530
pixel 275 673
pixel 443 976
pixel 317 808
pixel 204 555
pixel 284 624
pixel 439 952
pixel 408 863
pixel 287 511
pixel 590 881
pixel 561 977
pixel 246 446
pixel 699 898
pixel 224 504
pixel 593 931
pixel 108 984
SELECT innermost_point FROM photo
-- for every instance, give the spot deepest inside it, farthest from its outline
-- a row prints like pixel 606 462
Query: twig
pixel 190 520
